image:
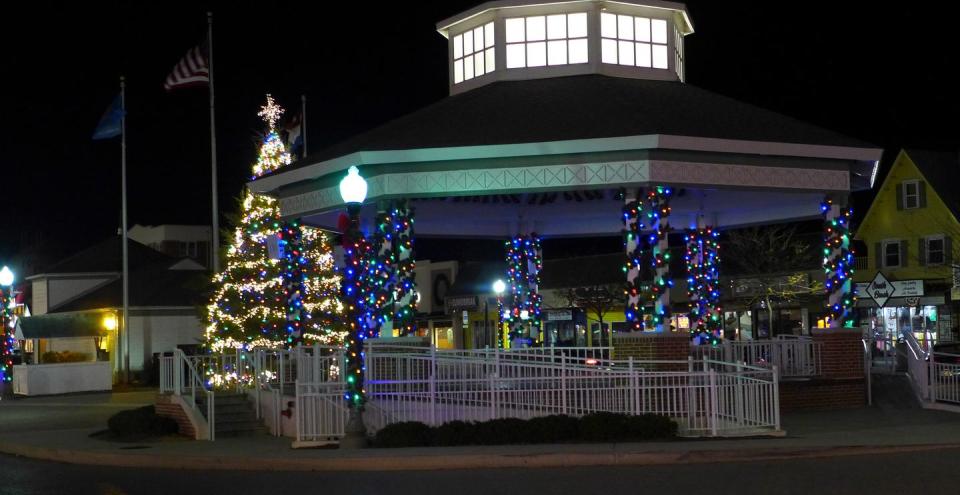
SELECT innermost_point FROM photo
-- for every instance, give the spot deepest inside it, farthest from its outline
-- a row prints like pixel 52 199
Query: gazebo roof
pixel 580 107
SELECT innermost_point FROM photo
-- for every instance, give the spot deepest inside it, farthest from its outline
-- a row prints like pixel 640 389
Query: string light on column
pixel 658 213
pixel 703 285
pixel 633 245
pixel 838 264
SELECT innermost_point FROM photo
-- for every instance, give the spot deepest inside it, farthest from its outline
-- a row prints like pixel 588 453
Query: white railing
pixel 945 377
pixel 793 357
pixel 179 375
pixel 434 387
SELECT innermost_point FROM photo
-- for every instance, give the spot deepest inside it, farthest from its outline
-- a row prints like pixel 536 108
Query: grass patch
pixel 596 427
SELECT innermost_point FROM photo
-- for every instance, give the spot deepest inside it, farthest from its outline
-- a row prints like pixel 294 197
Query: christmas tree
pixel 278 287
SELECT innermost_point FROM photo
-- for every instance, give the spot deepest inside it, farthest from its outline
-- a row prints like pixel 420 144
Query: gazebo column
pixel 521 305
pixel 293 281
pixel 391 279
pixel 838 264
pixel 658 199
pixel 703 287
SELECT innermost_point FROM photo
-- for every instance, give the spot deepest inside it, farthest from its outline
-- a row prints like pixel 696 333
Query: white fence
pixel 935 376
pixel 180 376
pixel 434 387
pixel 793 357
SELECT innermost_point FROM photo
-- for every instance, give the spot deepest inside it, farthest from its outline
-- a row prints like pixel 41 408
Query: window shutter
pixel 878 250
pixel 922 251
pixel 922 191
pixel 947 250
pixel 900 196
pixel 904 250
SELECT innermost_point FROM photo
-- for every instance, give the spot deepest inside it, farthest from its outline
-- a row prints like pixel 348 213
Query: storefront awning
pixel 55 326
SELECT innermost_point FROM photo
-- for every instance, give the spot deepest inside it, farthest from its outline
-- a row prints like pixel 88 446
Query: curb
pixel 442 461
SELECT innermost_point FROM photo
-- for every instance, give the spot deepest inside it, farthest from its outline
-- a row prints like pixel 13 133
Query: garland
pixel 703 285
pixel 838 264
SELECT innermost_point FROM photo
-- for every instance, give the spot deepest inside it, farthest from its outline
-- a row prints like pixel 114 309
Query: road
pixel 930 472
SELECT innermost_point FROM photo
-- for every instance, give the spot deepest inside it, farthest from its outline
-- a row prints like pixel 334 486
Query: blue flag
pixel 110 123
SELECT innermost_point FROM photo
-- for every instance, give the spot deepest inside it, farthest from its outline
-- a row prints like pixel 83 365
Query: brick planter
pixel 166 406
pixel 653 347
pixel 841 384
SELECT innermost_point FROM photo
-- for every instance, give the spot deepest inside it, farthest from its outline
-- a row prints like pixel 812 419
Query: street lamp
pixel 6 276
pixel 498 288
pixel 353 190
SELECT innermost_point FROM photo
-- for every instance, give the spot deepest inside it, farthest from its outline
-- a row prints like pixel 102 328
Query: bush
pixel 596 427
pixel 407 434
pixel 141 422
pixel 63 357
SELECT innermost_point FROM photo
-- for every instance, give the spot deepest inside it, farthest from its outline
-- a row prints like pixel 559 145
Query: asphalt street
pixel 930 472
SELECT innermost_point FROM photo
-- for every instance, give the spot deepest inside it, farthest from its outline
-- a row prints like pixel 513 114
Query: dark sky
pixel 883 75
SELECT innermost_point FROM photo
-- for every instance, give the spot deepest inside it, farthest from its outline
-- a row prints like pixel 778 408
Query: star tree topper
pixel 271 112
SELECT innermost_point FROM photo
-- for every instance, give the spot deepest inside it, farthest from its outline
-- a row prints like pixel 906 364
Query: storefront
pixel 917 308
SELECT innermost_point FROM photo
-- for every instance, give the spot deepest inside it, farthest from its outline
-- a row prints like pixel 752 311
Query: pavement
pixel 59 428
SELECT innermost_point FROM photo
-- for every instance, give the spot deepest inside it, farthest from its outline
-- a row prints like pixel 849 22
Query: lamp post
pixel 353 190
pixel 6 333
pixel 498 288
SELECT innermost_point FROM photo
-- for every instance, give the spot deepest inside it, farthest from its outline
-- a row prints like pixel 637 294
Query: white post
pixel 177 372
pixel 932 376
pixel 563 383
pixel 215 249
pixel 776 398
pixel 125 322
pixel 433 386
pixel 712 407
pixel 634 386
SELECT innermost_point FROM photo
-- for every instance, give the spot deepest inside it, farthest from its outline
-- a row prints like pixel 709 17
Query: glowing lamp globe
pixel 6 276
pixel 499 286
pixel 110 322
pixel 353 188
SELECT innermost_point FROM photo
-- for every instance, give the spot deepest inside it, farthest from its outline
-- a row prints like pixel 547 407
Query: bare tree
pixel 775 261
pixel 598 299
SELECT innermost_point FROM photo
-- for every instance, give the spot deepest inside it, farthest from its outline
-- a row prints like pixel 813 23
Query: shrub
pixel 552 429
pixel 63 357
pixel 501 431
pixel 407 434
pixel 141 422
pixel 603 427
pixel 454 433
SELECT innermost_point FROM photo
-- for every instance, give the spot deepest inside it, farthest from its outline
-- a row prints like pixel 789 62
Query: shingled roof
pixel 152 287
pixel 941 168
pixel 581 107
pixel 106 256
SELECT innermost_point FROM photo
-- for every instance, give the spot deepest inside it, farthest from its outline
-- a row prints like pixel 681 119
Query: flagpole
pixel 123 219
pixel 215 251
pixel 303 122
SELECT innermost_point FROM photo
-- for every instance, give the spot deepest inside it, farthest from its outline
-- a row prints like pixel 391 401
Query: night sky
pixel 886 76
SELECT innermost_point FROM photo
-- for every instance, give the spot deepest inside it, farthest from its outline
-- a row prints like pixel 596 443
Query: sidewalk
pixel 58 429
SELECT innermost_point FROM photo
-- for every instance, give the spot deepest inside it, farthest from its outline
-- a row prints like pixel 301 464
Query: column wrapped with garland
pixel 703 285
pixel 658 213
pixel 838 264
pixel 633 245
pixel 292 273
pixel 405 285
pixel 380 271
pixel 524 262
pixel 7 338
pixel 357 254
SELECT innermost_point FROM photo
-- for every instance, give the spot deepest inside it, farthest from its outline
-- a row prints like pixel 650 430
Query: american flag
pixel 192 70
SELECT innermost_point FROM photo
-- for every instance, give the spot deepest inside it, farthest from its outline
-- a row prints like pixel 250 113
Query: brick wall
pixel 653 347
pixel 167 407
pixel 819 395
pixel 841 385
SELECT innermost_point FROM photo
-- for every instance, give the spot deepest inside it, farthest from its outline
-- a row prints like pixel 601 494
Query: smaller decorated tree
pixel 279 287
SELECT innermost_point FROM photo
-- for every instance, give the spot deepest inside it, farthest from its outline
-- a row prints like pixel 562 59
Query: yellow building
pixel 905 277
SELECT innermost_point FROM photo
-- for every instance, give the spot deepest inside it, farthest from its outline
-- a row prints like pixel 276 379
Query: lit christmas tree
pixel 278 287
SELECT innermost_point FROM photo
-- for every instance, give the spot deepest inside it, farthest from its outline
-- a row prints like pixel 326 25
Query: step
pixel 222 426
pixel 223 417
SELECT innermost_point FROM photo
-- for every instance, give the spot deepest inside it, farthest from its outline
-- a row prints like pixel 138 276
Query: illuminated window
pixel 633 41
pixel 539 41
pixel 473 53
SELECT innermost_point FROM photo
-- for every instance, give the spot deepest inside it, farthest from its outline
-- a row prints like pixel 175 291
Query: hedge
pixel 596 427
pixel 141 423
